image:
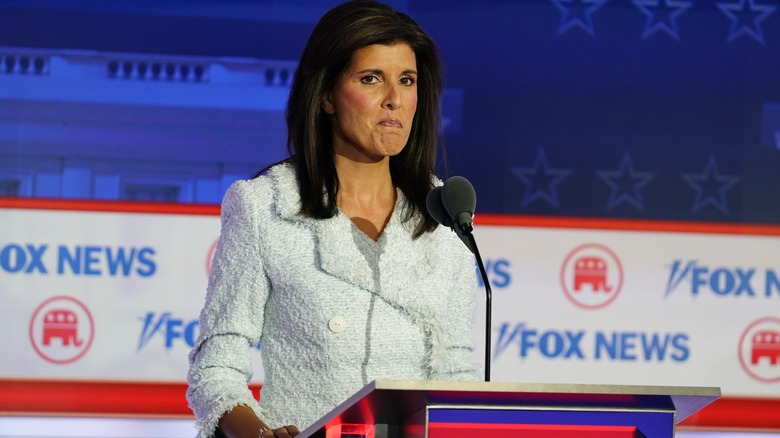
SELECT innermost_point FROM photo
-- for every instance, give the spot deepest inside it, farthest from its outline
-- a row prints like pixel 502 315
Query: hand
pixel 282 432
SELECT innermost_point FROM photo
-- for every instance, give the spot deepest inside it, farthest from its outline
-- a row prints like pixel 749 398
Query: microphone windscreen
pixel 436 208
pixel 458 196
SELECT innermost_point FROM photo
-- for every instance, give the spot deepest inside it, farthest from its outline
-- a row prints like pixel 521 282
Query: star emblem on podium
pixel 540 181
pixel 662 15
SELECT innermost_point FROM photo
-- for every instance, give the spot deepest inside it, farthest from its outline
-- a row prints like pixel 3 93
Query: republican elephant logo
pixel 766 344
pixel 759 350
pixel 61 330
pixel 593 271
pixel 591 276
pixel 61 324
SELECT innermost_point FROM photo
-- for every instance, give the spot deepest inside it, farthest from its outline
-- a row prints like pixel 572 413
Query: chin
pixel 394 148
pixel 392 152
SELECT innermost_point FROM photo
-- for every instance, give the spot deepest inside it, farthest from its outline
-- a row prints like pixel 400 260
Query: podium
pixel 439 409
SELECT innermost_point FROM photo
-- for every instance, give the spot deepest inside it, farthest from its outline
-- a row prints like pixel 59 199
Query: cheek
pixel 412 103
pixel 354 107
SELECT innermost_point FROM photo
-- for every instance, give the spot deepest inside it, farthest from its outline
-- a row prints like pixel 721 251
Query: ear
pixel 327 104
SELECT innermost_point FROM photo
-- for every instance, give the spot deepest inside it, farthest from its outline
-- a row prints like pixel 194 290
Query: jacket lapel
pixel 335 250
pixel 404 265
pixel 404 269
pixel 339 255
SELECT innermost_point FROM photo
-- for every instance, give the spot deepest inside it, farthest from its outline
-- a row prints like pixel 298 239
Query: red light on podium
pixel 347 430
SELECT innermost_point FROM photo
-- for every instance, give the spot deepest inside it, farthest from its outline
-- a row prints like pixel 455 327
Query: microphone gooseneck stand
pixel 466 230
pixel 452 205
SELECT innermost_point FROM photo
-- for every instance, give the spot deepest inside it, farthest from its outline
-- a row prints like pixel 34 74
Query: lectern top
pixel 391 401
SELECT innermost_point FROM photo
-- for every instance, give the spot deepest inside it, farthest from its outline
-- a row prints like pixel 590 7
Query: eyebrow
pixel 380 71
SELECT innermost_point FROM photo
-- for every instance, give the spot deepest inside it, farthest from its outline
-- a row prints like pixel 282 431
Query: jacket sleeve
pixel 458 321
pixel 231 320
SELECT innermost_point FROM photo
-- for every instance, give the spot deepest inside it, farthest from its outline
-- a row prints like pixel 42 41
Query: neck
pixel 363 182
pixel 366 194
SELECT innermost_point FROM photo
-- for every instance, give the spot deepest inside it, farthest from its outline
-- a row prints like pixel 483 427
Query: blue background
pixel 652 109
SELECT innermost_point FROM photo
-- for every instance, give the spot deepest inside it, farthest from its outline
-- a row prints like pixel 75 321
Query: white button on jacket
pixel 336 324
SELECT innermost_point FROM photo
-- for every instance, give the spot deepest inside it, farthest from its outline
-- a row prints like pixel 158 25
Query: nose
pixel 392 99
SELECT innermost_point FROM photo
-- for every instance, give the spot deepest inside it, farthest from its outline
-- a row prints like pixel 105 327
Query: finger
pixel 292 430
pixel 281 433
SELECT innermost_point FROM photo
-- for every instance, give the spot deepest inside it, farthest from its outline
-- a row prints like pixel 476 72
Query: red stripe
pixel 58 397
pixel 109 206
pixel 479 219
pixel 738 413
pixel 40 397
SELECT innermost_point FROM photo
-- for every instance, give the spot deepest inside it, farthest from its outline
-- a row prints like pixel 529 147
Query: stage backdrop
pixel 626 150
pixel 107 294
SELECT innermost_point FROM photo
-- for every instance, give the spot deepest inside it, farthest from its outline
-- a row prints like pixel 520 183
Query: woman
pixel 330 259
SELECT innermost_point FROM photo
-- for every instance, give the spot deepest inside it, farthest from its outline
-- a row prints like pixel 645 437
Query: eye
pixel 369 79
pixel 407 81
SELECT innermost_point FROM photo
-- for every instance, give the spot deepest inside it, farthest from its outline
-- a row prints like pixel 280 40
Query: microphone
pixel 439 211
pixel 453 205
pixel 460 201
pixel 436 207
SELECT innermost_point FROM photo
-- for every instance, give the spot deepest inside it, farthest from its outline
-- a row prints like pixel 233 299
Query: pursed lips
pixel 391 123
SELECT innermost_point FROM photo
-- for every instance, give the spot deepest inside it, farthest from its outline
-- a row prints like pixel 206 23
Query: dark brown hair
pixel 337 36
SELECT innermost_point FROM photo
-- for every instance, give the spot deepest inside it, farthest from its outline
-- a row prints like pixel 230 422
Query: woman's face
pixel 373 103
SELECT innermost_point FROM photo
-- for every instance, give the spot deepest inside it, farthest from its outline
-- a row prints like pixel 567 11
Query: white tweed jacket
pixel 332 309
